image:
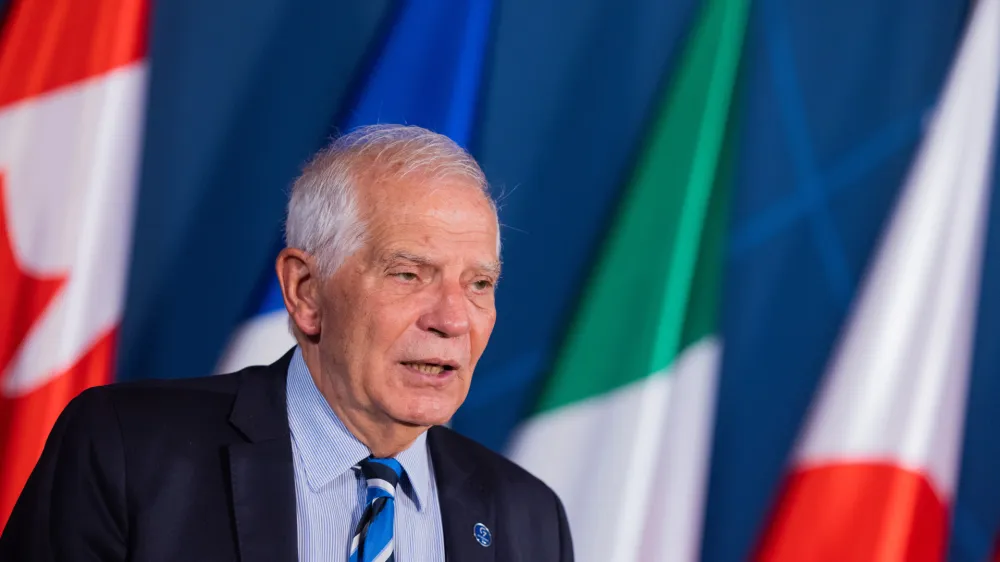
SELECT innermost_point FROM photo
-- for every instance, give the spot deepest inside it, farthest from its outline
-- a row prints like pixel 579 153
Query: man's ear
pixel 300 286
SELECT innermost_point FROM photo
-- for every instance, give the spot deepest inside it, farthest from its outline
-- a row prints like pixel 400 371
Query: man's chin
pixel 424 415
pixel 423 421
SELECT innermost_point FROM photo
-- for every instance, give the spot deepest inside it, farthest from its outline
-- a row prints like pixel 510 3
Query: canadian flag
pixel 875 470
pixel 72 93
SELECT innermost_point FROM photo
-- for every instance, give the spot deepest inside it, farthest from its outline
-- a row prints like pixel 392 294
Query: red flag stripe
pixel 858 512
pixel 25 421
pixel 48 44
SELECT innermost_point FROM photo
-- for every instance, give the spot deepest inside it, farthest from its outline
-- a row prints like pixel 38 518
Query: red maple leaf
pixel 24 297
pixel 25 419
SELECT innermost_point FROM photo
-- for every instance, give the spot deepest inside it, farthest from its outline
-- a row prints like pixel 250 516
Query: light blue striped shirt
pixel 330 497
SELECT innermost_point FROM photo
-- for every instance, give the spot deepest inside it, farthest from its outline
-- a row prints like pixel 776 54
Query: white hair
pixel 323 218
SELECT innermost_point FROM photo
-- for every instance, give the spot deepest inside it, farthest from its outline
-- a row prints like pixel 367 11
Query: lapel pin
pixel 482 534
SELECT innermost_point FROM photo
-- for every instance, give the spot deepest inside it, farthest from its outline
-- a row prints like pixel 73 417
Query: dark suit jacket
pixel 201 469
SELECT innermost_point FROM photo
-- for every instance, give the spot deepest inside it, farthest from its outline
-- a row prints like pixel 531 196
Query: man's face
pixel 406 318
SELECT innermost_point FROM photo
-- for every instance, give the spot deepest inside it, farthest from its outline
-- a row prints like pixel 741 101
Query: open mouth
pixel 429 368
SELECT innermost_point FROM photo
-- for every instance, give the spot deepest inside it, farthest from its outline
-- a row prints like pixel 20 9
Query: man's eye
pixel 406 275
pixel 482 284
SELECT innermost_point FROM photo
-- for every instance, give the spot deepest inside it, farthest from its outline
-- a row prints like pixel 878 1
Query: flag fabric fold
pixel 874 472
pixel 624 423
pixel 430 80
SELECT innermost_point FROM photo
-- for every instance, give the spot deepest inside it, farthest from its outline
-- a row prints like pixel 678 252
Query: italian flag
pixel 875 471
pixel 72 97
pixel 624 424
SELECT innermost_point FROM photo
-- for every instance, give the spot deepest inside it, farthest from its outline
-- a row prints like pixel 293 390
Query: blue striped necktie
pixel 372 540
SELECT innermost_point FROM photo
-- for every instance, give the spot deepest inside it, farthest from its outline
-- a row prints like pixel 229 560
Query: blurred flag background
pixel 749 245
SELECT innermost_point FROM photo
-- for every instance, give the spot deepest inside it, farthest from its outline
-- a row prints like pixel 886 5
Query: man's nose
pixel 448 317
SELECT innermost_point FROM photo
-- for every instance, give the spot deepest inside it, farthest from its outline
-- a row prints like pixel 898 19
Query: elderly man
pixel 336 451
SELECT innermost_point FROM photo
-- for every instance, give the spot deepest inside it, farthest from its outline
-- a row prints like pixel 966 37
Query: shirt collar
pixel 328 449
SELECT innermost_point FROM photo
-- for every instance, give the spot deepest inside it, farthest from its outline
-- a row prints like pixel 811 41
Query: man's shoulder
pixel 157 405
pixel 223 383
pixel 477 457
pixel 165 395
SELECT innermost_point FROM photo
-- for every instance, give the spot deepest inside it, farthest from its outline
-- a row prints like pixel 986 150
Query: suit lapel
pixel 261 470
pixel 264 500
pixel 466 502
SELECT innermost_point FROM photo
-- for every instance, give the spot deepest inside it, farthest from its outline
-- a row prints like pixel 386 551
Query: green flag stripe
pixel 721 61
pixel 706 286
pixel 631 320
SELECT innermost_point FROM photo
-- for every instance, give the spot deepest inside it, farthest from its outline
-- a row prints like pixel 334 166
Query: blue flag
pixel 428 74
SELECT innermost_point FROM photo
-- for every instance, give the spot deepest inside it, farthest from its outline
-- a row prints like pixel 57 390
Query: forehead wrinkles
pixel 384 188
pixel 411 196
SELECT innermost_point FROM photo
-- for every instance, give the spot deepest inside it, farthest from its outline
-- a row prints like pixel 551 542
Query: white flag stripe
pixel 260 341
pixel 559 448
pixel 896 387
pixel 70 160
pixel 673 524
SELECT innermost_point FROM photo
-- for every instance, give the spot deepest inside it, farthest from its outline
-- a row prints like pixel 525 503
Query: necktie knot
pixel 381 474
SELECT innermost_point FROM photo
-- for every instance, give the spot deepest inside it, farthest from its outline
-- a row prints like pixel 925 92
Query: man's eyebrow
pixel 491 267
pixel 401 255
